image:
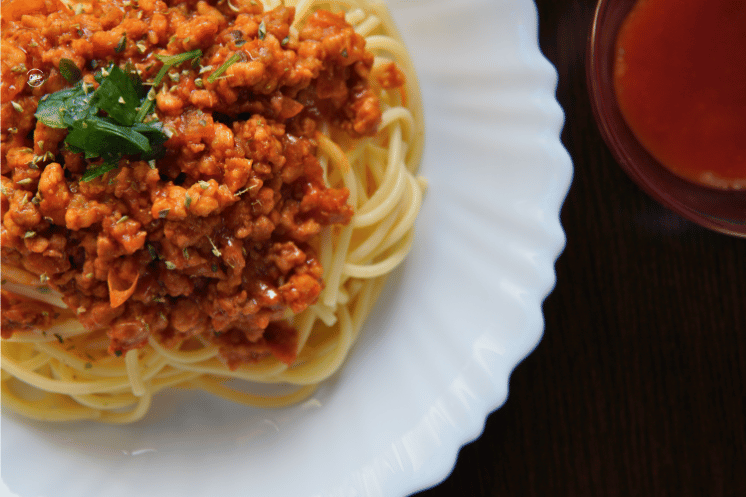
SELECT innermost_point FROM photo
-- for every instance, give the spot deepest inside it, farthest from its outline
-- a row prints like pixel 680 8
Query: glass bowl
pixel 720 210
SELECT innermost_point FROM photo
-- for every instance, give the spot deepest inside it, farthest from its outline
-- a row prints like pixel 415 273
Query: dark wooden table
pixel 637 387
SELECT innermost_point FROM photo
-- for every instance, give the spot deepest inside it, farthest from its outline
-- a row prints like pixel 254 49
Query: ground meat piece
pixel 390 76
pixel 23 314
pixel 55 194
pixel 279 339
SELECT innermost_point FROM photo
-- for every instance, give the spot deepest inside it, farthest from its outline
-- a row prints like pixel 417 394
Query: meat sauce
pixel 680 82
pixel 213 239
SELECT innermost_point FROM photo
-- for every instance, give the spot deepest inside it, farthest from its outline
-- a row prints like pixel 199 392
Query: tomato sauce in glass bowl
pixel 668 87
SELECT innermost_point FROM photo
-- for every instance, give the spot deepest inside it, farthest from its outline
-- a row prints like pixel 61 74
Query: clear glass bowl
pixel 720 210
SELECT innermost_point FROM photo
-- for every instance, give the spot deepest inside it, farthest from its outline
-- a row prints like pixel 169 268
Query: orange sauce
pixel 680 81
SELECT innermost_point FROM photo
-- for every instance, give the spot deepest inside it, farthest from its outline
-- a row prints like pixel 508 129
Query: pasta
pixel 62 371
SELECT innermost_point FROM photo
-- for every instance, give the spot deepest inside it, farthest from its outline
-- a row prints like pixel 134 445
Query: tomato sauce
pixel 680 81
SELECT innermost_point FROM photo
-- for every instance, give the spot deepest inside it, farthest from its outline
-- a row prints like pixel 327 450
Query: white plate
pixel 434 358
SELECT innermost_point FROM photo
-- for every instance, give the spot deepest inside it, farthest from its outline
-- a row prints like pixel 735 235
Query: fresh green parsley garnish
pixel 220 70
pixel 108 122
pixel 262 31
pixel 70 71
pixel 103 123
pixel 169 61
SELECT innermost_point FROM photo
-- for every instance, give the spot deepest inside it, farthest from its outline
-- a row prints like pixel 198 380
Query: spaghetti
pixel 62 371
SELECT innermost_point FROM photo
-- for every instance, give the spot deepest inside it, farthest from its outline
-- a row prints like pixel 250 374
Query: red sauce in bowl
pixel 680 82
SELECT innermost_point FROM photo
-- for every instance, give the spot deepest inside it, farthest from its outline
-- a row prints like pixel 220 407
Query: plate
pixel 435 356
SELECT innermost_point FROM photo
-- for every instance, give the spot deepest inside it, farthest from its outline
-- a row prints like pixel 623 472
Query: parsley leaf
pixel 53 108
pixel 156 136
pixel 70 71
pixel 117 96
pixel 98 137
pixel 106 122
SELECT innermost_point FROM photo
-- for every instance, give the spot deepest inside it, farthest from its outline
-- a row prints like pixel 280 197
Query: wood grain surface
pixel 637 387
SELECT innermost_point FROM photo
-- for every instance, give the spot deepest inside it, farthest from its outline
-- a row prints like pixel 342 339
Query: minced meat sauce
pixel 211 239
